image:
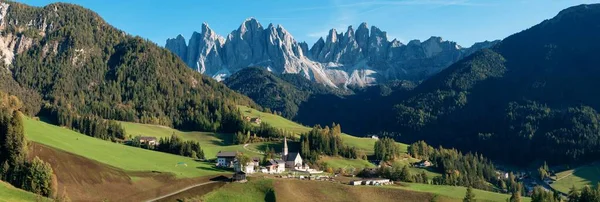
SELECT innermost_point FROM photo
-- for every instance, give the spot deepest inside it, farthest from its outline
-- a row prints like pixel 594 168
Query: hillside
pixel 297 190
pixel 456 192
pixel 114 154
pixel 530 97
pixel 281 93
pixel 12 194
pixel 210 142
pixel 588 175
pixel 81 66
pixel 364 144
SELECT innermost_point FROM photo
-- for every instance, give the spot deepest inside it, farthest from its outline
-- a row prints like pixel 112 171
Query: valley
pixel 90 112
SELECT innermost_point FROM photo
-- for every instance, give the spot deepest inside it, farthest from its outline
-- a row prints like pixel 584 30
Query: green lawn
pixel 338 162
pixel 8 193
pixel 580 177
pixel 114 154
pixel 253 190
pixel 456 192
pixel 210 142
pixel 407 161
pixel 365 144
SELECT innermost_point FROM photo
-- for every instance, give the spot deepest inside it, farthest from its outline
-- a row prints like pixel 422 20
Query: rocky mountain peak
pixel 249 25
pixel 363 56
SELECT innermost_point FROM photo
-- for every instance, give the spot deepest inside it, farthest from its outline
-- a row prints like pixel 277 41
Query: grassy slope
pixel 338 162
pixel 580 177
pixel 210 142
pixel 457 192
pixel 253 190
pixel 117 155
pixel 8 193
pixel 365 144
pixel 414 170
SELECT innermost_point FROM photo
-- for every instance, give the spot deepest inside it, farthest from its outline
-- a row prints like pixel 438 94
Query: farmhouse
pixel 255 120
pixel 225 159
pixel 248 168
pixel 150 141
pixel 292 160
pixel 423 164
pixel 275 166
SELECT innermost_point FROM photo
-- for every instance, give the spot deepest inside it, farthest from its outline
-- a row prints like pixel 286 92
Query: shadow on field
pixel 208 169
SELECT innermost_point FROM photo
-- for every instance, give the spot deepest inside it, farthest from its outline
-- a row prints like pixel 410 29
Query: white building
pixel 292 160
pixel 225 159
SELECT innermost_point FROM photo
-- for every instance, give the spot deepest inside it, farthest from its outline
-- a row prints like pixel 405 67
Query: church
pixel 292 160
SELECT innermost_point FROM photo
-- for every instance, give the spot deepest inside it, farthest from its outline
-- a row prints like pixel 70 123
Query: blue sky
pixel 463 21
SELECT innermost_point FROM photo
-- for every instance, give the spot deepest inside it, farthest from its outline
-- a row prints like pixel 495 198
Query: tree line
pixel 16 168
pixel 326 141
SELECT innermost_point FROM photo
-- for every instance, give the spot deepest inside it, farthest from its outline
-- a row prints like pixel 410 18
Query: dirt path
pixel 181 190
pixel 246 148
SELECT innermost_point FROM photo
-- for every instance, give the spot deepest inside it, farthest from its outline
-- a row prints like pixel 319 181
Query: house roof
pixel 147 138
pixel 292 156
pixel 226 154
pixel 275 162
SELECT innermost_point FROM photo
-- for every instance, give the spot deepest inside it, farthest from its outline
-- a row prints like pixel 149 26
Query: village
pixel 289 166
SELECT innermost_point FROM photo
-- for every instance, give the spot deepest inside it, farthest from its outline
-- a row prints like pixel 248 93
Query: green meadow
pixel 114 154
pixel 8 193
pixel 456 192
pixel 588 175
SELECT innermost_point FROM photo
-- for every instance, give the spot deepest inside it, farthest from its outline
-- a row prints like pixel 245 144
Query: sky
pixel 462 21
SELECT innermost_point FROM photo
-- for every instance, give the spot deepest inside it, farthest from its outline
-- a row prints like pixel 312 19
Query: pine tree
pixel 469 196
pixel 516 195
pixel 14 148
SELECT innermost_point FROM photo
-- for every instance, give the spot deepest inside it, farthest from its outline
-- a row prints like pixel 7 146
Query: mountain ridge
pixel 358 57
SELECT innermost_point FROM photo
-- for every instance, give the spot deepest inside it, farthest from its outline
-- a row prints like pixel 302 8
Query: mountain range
pixel 358 57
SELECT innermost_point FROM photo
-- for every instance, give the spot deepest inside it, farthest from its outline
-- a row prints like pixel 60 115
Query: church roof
pixel 292 156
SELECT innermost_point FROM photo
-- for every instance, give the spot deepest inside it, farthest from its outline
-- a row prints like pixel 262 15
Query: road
pixel 181 190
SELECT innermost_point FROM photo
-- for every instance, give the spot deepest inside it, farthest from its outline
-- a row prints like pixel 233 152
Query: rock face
pixel 356 57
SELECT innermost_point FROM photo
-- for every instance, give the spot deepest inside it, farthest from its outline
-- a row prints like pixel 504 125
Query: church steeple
pixel 285 149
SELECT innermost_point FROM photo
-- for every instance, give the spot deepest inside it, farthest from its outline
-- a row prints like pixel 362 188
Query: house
pixel 150 141
pixel 248 168
pixel 255 120
pixel 275 166
pixel 423 164
pixel 239 176
pixel 225 159
pixel 247 118
pixel 375 137
pixel 356 182
pixel 292 160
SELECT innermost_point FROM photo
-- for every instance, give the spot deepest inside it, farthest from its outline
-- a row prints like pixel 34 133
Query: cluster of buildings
pixel 289 161
pixel 376 182
pixel 255 120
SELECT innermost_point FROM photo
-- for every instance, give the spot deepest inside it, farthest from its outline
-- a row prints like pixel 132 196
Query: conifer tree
pixel 469 196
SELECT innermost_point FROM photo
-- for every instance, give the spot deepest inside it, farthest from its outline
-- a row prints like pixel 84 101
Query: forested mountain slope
pixel 80 65
pixel 281 93
pixel 532 96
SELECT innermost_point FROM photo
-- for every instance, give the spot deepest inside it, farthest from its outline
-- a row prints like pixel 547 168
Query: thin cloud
pixel 393 3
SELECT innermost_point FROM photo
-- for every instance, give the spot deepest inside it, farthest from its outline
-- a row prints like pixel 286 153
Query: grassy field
pixel 8 193
pixel 455 192
pixel 414 170
pixel 210 142
pixel 338 162
pixel 365 144
pixel 253 190
pixel 117 155
pixel 580 177
pixel 304 190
